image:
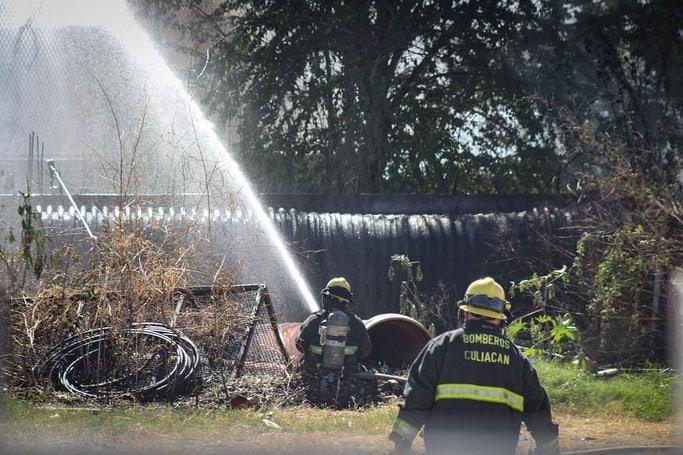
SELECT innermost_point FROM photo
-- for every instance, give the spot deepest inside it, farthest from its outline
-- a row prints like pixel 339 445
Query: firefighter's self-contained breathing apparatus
pixel 333 334
pixel 335 329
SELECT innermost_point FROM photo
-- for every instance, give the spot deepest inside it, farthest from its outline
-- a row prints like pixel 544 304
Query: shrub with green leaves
pixel 435 311
pixel 624 271
pixel 549 333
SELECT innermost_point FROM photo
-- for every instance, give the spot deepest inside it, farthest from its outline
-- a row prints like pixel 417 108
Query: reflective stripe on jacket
pixel 471 388
pixel 480 393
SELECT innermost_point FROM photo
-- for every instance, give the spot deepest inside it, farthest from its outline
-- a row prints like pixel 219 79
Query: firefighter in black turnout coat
pixel 471 388
pixel 336 296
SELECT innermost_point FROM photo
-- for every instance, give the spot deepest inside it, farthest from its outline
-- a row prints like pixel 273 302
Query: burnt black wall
pixel 452 249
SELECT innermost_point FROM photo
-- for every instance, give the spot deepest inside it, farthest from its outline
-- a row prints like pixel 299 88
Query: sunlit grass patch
pixel 189 423
pixel 646 395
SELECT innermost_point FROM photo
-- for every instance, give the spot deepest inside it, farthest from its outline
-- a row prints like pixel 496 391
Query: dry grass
pixel 301 429
pixel 132 276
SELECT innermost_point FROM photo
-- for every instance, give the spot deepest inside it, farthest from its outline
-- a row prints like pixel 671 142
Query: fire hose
pixel 374 375
pixel 167 369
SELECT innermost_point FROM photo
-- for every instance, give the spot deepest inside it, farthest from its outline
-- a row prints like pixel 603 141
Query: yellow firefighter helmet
pixel 340 289
pixel 485 297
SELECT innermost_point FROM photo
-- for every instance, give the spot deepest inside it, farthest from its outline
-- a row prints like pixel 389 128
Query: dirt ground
pixel 576 433
pixel 582 433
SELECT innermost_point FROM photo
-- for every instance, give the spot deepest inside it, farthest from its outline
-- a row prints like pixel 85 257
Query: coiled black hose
pixel 86 364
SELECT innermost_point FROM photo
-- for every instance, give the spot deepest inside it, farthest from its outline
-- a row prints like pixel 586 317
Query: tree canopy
pixel 434 96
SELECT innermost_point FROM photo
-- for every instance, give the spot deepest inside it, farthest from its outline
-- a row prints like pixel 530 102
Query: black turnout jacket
pixel 358 344
pixel 471 388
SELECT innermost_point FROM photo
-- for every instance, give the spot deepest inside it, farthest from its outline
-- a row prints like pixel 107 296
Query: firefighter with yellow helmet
pixel 471 388
pixel 334 337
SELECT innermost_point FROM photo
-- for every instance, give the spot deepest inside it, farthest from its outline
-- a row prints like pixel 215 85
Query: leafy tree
pixel 377 96
pixel 444 96
pixel 607 70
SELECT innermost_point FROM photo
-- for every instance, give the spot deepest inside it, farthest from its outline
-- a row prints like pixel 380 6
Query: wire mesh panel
pixel 264 354
pixel 242 338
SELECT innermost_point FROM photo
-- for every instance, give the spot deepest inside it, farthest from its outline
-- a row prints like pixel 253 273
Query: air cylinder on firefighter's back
pixel 334 340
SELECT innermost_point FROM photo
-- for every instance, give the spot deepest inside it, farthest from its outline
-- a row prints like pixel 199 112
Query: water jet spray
pixel 146 107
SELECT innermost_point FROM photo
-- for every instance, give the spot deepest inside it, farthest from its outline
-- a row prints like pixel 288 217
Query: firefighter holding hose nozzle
pixel 471 388
pixel 333 340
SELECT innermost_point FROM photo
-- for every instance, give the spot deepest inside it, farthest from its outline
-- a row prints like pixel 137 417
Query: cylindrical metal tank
pixel 396 340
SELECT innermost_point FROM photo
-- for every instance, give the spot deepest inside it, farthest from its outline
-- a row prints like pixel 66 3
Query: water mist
pixel 116 119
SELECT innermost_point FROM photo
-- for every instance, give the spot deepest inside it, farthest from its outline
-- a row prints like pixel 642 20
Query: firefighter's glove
pixel 552 445
pixel 549 448
pixel 400 448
